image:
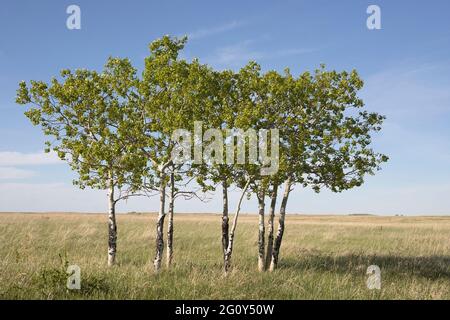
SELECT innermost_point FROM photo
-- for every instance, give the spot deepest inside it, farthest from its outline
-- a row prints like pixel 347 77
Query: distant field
pixel 322 257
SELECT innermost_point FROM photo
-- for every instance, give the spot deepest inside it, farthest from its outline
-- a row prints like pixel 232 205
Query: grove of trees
pixel 116 131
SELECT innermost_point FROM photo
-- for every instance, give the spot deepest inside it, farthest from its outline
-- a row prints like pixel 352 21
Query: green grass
pixel 321 258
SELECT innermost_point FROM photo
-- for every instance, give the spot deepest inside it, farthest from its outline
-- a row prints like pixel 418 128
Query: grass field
pixel 322 257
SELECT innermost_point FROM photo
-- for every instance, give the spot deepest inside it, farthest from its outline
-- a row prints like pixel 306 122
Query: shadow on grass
pixel 430 267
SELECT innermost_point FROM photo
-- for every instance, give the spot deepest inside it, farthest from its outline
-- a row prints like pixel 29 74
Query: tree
pixel 325 139
pixel 156 115
pixel 253 120
pixel 168 99
pixel 218 109
pixel 270 95
pixel 118 132
pixel 326 136
pixel 83 113
pixel 253 116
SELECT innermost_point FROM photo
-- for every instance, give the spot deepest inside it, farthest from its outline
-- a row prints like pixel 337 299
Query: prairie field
pixel 322 257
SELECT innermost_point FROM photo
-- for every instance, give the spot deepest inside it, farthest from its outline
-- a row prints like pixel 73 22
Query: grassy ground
pixel 321 258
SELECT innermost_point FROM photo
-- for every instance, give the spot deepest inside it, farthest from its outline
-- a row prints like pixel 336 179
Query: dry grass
pixel 322 257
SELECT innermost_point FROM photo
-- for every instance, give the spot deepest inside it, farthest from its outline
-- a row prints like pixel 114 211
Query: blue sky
pixel 405 65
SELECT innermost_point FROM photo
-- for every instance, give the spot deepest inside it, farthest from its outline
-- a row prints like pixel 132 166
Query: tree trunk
pixel 160 224
pixel 170 224
pixel 225 219
pixel 280 231
pixel 112 226
pixel 227 260
pixel 261 231
pixel 273 202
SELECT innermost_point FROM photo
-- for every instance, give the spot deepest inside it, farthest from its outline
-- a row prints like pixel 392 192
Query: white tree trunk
pixel 112 226
pixel 280 231
pixel 160 225
pixel 270 231
pixel 227 260
pixel 170 224
pixel 225 219
pixel 261 231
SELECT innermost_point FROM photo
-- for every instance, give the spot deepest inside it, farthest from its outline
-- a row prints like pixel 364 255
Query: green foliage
pixel 114 127
pixel 83 112
pixel 326 133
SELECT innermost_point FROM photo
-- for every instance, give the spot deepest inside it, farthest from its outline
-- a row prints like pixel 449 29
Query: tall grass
pixel 321 258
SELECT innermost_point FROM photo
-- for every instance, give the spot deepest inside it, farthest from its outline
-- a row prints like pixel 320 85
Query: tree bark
pixel 273 202
pixel 112 226
pixel 170 224
pixel 160 224
pixel 225 219
pixel 280 231
pixel 261 230
pixel 227 260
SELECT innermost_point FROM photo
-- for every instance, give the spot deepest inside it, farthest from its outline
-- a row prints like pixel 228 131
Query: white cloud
pixel 12 158
pixel 10 173
pixel 242 52
pixel 236 54
pixel 206 32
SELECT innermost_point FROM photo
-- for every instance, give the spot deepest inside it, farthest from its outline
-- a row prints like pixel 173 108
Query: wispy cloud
pixel 206 32
pixel 242 52
pixel 236 53
pixel 11 173
pixel 13 158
